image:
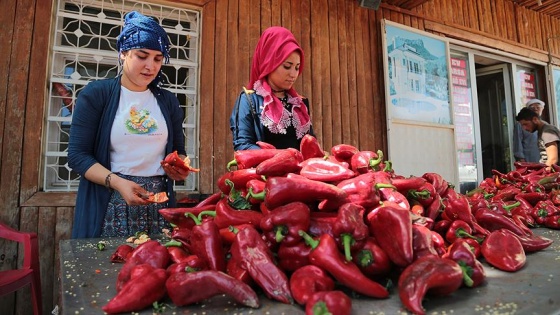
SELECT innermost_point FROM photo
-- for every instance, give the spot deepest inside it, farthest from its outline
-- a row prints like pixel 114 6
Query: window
pixel 84 49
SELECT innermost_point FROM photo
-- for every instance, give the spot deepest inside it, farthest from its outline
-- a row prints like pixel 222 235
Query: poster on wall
pixel 556 88
pixel 417 76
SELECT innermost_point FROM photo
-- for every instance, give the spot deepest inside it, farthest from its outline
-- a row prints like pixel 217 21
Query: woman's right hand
pixel 132 193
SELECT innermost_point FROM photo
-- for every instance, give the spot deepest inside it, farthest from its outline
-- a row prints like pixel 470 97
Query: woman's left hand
pixel 175 173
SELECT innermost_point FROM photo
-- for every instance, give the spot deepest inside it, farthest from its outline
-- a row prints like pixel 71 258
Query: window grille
pixel 84 49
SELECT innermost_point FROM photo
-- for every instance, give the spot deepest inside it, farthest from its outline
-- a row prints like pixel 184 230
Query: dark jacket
pixel 245 120
pixel 90 132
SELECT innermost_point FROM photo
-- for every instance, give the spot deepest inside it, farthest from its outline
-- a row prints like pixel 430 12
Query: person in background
pixel 525 146
pixel 122 128
pixel 548 135
pixel 272 111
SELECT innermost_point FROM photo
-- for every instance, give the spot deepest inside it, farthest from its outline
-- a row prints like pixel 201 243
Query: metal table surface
pixel 88 282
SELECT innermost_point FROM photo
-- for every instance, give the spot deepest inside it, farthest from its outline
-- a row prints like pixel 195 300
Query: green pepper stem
pixel 233 229
pixel 383 185
pixel 174 243
pixel 511 206
pixel 193 217
pixel 308 239
pixel 365 258
pixel 208 213
pixel 347 243
pixel 467 271
pixel 374 163
pixel 461 233
pixel 257 196
pixel 279 235
pixel 231 163
pixel 320 308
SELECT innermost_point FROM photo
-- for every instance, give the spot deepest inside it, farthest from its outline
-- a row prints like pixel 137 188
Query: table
pixel 88 282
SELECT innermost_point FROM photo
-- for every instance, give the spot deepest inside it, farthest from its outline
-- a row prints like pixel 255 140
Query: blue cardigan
pixel 90 132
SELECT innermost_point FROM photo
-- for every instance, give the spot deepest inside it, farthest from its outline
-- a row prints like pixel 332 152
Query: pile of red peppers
pixel 307 226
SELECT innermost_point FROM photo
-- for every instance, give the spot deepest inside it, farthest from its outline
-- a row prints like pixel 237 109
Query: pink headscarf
pixel 274 46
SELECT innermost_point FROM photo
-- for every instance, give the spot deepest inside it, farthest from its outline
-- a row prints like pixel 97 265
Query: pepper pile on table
pixel 310 227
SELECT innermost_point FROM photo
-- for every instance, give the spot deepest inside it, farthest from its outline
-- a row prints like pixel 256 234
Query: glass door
pixel 495 117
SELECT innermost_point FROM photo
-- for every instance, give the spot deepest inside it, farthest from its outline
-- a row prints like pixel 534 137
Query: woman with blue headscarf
pixel 122 128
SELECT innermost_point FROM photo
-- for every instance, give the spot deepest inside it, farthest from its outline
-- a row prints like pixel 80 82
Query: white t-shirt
pixel 139 135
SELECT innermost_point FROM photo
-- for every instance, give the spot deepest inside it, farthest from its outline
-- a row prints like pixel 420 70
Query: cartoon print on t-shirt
pixel 140 121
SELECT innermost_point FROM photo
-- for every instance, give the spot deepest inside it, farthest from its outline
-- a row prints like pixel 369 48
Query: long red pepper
pixel 372 259
pixel 392 228
pixel 366 161
pixel 280 191
pixel 422 242
pixel 293 257
pixel 150 252
pixel 492 221
pixel 325 254
pixel 432 274
pixel 254 255
pixel 307 280
pixel 191 287
pixel 146 286
pixel 122 253
pixel 237 179
pixel 206 243
pixel 344 152
pixel 176 216
pixel 226 215
pixel 287 161
pixel 251 158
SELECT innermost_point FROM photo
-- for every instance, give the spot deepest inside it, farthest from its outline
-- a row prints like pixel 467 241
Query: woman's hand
pixel 175 173
pixel 132 193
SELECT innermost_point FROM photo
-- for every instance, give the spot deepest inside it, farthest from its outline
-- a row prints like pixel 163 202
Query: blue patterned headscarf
pixel 140 31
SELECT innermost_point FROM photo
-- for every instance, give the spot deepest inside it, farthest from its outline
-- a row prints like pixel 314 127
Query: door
pixel 495 118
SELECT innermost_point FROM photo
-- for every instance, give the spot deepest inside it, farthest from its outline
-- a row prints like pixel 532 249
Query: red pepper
pixel 329 302
pixel 457 208
pixel 146 286
pixel 532 197
pixel 434 210
pixel 459 229
pixel 150 252
pixel 210 200
pixel 182 235
pixel 344 152
pixel 280 191
pixel 432 274
pixel 422 242
pixel 265 145
pixel 292 257
pixel 350 228
pixel 372 259
pixel 307 280
pixel 365 161
pixel 325 254
pixel 251 158
pixel 322 223
pixel 206 243
pixel 176 216
pixel 439 243
pixel 403 185
pixel 310 148
pixel 361 190
pixel 506 194
pixel 191 287
pixel 473 271
pixel 425 194
pixel 254 255
pixel 190 263
pixel 177 252
pixel 282 224
pixel 238 179
pixel 175 160
pixel 554 196
pixel 227 234
pixel 552 222
pixel 394 196
pixel 287 161
pixel 324 170
pixel 227 215
pixel 439 183
pixel 475 246
pixel 544 209
pixel 532 242
pixel 254 186
pixel 392 228
pixel 493 221
pixel 122 253
pixel 503 250
pixel 235 270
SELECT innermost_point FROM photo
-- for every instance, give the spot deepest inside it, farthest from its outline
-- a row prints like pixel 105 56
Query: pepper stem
pixel 365 258
pixel 383 185
pixel 462 233
pixel 347 243
pixel 208 213
pixel 308 239
pixel 467 272
pixel 233 229
pixel 280 231
pixel 172 242
pixel 320 308
pixel 230 164
pixel 257 196
pixel 511 206
pixel 374 163
pixel 193 217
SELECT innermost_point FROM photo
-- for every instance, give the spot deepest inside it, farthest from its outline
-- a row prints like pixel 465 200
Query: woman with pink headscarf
pixel 270 109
